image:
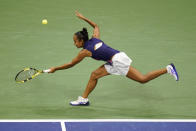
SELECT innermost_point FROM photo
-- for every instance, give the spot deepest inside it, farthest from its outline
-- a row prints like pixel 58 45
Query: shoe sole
pixel 175 71
pixel 87 104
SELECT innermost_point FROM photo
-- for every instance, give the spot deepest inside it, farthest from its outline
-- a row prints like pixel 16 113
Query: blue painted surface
pixel 130 126
pixel 98 126
pixel 30 126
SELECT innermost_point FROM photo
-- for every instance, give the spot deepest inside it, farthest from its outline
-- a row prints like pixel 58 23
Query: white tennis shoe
pixel 80 102
pixel 172 71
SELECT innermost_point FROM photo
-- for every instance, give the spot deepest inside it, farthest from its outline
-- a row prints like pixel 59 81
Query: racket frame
pixel 33 76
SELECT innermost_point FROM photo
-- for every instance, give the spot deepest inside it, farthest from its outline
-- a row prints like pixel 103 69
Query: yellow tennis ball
pixel 44 21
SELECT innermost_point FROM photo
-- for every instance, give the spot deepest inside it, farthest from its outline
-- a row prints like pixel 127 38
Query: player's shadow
pixel 66 112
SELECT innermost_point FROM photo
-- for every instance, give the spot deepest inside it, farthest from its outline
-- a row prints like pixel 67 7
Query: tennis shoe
pixel 80 102
pixel 172 71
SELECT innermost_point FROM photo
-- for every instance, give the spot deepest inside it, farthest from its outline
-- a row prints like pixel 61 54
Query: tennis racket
pixel 28 74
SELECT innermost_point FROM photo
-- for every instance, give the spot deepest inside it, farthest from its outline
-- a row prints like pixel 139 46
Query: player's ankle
pixel 168 69
pixel 85 97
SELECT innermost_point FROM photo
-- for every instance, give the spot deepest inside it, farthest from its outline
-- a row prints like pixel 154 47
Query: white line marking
pixel 100 120
pixel 63 126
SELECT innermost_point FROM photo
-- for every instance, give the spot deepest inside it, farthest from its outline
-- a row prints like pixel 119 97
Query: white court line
pixel 99 120
pixel 63 126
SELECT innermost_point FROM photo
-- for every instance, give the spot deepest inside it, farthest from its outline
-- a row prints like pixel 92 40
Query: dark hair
pixel 82 35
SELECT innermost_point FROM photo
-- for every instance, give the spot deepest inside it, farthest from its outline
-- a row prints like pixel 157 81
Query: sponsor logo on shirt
pixel 98 45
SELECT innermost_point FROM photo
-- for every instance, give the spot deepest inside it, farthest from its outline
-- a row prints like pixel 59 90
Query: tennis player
pixel 117 62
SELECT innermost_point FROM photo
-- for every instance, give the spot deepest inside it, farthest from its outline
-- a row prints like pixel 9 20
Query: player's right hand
pixel 52 70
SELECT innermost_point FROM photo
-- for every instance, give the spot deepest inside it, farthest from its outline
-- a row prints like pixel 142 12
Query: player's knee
pixel 143 80
pixel 94 75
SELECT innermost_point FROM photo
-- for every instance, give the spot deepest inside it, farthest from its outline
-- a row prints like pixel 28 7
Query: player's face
pixel 77 43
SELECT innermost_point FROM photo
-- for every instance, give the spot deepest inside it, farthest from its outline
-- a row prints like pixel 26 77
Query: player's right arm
pixel 81 55
pixel 96 32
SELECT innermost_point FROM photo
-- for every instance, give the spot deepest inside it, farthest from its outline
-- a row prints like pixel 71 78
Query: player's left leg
pixel 137 76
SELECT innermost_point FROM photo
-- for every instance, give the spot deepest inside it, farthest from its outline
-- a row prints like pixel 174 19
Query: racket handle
pixel 46 71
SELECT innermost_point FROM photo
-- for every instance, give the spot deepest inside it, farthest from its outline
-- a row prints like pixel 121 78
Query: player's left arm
pixel 96 31
pixel 81 55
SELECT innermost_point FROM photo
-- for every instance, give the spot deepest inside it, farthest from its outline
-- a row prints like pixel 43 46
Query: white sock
pixel 168 69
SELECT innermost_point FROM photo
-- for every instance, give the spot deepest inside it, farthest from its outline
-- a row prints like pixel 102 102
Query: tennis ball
pixel 44 21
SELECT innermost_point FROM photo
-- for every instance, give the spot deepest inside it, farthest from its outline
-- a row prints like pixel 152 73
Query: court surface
pixel 153 34
pixel 94 125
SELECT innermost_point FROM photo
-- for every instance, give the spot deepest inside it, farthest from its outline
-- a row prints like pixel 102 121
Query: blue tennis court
pixel 30 126
pixel 130 126
pixel 97 126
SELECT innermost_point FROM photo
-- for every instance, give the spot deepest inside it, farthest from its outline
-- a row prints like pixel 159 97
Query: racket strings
pixel 24 75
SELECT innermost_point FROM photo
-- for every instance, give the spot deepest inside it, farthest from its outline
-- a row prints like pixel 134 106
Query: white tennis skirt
pixel 120 64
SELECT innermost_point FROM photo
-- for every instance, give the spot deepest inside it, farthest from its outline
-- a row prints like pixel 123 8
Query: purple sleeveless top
pixel 99 50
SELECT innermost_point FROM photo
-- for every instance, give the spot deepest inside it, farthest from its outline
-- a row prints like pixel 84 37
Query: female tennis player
pixel 117 62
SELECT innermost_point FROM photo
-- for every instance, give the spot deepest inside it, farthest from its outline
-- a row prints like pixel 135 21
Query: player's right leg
pixel 95 75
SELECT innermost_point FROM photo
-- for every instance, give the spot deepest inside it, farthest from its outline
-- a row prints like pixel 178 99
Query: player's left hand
pixel 79 15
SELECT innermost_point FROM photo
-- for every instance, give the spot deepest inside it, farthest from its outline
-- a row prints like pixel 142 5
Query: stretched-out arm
pixel 96 32
pixel 81 55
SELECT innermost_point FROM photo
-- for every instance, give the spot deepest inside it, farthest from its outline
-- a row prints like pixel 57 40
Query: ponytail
pixel 82 35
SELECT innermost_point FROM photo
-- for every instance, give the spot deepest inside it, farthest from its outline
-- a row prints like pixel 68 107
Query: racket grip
pixel 46 71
